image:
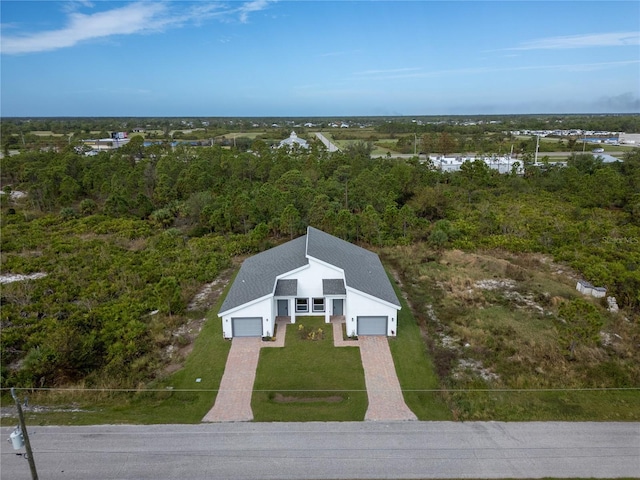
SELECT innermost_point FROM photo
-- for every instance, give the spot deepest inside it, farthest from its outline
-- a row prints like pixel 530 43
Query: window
pixel 302 305
pixel 318 304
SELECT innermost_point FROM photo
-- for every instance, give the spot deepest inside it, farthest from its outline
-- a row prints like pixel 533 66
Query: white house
pixel 314 275
pixel 293 140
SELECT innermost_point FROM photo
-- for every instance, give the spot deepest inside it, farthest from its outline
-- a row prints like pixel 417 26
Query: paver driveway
pixel 233 403
pixel 383 388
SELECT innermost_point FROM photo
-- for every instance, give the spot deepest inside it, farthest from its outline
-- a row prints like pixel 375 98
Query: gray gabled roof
pixel 333 286
pixel 258 274
pixel 363 270
pixel 286 288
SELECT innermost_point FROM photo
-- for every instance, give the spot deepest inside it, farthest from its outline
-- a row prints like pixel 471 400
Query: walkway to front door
pixel 233 402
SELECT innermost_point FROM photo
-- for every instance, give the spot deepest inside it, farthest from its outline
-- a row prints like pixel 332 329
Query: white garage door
pixel 372 325
pixel 247 327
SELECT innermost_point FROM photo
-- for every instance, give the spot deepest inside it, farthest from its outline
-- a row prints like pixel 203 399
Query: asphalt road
pixel 362 450
pixel 330 146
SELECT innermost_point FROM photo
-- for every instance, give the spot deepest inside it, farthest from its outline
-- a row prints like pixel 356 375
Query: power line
pixel 431 390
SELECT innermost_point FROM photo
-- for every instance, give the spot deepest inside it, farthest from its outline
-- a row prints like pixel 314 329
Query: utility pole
pixel 27 443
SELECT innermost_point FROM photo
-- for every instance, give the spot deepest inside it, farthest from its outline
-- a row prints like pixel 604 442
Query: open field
pixel 491 322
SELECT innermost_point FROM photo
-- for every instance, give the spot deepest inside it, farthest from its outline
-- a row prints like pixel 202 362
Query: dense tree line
pixel 136 230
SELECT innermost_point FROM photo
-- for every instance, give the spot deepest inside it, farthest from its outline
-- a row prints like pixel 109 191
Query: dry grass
pixel 490 321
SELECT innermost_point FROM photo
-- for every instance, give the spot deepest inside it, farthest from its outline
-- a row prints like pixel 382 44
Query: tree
pixel 438 238
pixel 343 174
pixel 88 206
pixel 290 220
pixel 168 295
pixel 428 143
pixel 446 143
pixel 370 226
pixel 69 190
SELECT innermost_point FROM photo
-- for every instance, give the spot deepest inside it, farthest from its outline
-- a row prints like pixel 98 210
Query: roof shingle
pixel 362 268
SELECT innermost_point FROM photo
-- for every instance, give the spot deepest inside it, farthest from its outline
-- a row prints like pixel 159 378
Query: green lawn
pixel 322 382
pixel 415 370
pixel 307 369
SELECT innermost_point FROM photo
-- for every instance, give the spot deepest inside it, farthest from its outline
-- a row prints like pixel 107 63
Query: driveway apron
pixel 383 388
pixel 233 403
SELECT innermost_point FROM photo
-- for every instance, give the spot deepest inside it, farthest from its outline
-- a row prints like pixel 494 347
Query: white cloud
pixel 615 39
pixel 132 18
pixel 135 18
pixel 253 6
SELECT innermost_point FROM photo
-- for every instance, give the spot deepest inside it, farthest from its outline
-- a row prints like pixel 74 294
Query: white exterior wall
pixel 359 304
pixel 310 287
pixel 310 278
pixel 257 309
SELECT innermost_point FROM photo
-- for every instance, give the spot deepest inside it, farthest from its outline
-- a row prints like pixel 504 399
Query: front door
pixel 283 308
pixel 337 306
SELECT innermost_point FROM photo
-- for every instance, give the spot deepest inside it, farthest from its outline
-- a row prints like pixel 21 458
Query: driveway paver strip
pixel 233 402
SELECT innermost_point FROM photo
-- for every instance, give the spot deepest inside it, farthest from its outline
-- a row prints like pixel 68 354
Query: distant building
pixel 629 138
pixel 117 140
pixel 503 164
pixel 292 141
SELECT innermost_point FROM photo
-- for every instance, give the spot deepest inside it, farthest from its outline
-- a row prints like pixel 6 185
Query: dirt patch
pixel 17 277
pixel 183 338
pixel 12 411
pixel 279 398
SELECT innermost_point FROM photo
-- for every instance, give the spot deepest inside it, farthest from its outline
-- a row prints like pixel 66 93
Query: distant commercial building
pixel 117 140
pixel 503 164
pixel 629 139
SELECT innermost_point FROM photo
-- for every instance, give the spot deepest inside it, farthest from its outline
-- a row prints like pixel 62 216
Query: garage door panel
pixel 371 325
pixel 247 326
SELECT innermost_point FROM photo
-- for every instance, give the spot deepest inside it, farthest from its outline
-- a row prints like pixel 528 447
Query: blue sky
pixel 318 58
